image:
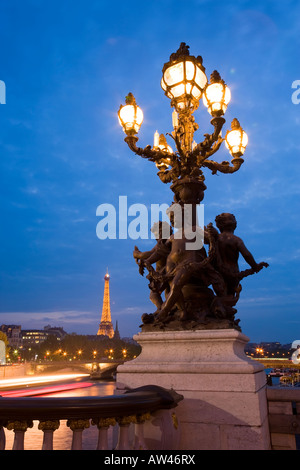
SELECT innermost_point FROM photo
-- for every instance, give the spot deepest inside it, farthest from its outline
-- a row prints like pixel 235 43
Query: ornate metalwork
pixel 78 424
pixel 175 420
pixel 194 288
pixel 140 419
pixel 103 422
pixel 126 420
pixel 19 426
pixel 49 425
pixel 188 161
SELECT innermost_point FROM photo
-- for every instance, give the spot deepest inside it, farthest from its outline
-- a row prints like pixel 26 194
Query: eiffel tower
pixel 106 327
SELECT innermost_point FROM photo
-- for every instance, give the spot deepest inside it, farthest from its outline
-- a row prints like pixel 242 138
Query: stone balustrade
pixel 130 415
pixel 132 408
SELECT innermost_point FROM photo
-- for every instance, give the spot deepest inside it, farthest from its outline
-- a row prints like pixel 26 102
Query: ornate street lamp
pixel 185 284
pixel 216 95
pixel 236 140
pixel 130 116
pixel 184 82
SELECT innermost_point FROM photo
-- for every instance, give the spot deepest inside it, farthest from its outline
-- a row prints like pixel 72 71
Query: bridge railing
pixel 284 417
pixel 134 408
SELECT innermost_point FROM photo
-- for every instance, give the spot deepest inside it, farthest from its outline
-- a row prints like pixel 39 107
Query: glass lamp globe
pixel 130 116
pixel 236 139
pixel 184 79
pixel 216 95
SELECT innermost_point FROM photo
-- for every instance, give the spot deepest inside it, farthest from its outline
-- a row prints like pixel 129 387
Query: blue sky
pixel 67 67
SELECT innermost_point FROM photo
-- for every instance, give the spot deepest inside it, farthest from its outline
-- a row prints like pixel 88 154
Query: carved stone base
pixel 190 325
pixel 200 309
pixel 224 405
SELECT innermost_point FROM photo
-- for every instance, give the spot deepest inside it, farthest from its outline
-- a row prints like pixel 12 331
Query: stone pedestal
pixel 224 405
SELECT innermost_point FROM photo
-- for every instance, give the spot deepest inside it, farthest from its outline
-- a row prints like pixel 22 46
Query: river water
pixel 62 439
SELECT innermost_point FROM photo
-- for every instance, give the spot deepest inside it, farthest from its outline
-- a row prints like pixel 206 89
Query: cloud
pixel 65 317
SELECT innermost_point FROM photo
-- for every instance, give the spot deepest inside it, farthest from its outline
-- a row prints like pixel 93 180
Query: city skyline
pixel 67 67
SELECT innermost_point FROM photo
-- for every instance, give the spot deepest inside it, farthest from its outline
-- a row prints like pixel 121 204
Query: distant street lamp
pixel 111 354
pixel 185 284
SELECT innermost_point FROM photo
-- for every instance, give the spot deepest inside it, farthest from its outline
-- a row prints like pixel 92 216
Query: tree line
pixel 76 347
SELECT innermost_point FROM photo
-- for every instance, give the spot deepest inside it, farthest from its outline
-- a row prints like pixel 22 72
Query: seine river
pixel 63 435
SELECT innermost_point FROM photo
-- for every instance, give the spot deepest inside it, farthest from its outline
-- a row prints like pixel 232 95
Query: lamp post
pixel 184 276
pixel 185 83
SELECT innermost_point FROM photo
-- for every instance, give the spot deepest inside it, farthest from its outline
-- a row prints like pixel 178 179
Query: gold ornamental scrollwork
pixel 140 419
pixel 175 420
pixel 19 425
pixel 126 420
pixel 103 422
pixel 49 425
pixel 77 424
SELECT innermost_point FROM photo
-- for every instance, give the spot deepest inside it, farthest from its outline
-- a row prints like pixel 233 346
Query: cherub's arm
pixel 137 254
pixel 248 257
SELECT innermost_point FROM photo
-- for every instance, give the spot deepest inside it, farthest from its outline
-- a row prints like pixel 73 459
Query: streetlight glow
pixel 184 79
pixel 216 95
pixel 130 116
pixel 236 139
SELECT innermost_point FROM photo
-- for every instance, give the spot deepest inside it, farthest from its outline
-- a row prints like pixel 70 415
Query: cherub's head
pixel 226 222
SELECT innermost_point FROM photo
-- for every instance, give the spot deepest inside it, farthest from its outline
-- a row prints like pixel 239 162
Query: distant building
pixel 13 334
pixel 35 336
pixel 56 331
pixel 271 349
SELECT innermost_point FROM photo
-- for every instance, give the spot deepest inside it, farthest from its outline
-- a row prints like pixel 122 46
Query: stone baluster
pixel 48 428
pixel 139 441
pixel 77 426
pixel 2 438
pixel 103 426
pixel 19 428
pixel 124 423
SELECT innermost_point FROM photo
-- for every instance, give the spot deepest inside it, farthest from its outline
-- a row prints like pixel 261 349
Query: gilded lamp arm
pixel 224 167
pixel 148 152
pixel 211 143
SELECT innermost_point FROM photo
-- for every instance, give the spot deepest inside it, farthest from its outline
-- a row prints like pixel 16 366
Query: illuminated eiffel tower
pixel 106 327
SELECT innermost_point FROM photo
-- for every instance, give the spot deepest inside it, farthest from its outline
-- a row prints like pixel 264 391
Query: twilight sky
pixel 67 67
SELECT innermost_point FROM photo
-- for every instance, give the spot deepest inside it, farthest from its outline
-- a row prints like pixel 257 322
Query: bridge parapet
pixel 134 407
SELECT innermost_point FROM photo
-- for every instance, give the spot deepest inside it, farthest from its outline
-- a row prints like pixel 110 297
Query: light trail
pixel 6 383
pixel 44 391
